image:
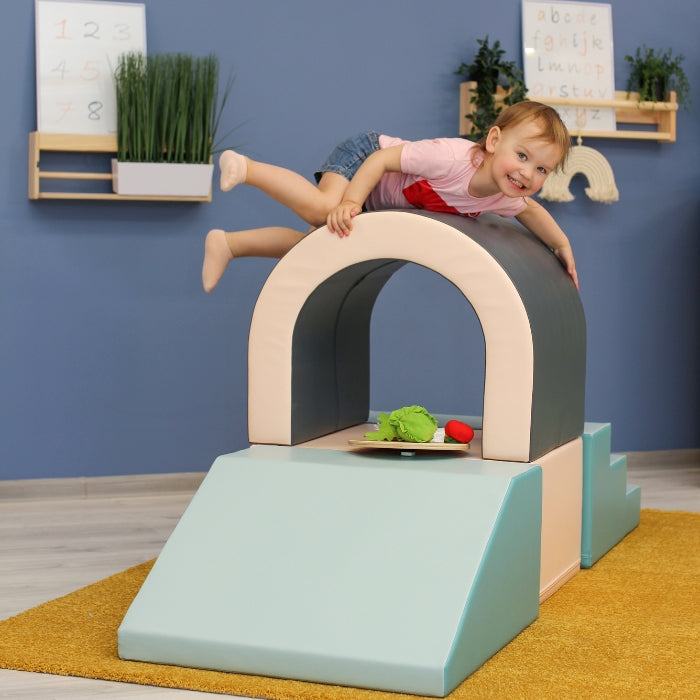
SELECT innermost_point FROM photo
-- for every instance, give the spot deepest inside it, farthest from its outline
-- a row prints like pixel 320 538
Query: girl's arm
pixel 365 180
pixel 538 220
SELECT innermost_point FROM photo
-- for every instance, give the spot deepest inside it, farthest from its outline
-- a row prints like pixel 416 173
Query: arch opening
pixel 422 328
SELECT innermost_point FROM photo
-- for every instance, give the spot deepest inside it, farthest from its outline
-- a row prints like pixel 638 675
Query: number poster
pixel 77 48
pixel 568 53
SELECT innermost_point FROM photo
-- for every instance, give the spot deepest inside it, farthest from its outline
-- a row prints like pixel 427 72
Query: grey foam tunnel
pixel 309 340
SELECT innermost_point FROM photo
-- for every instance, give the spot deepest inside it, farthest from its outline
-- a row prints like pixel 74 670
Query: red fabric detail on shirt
pixel 422 196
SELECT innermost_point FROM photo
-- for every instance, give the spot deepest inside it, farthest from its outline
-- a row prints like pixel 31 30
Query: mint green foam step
pixel 611 507
pixel 369 570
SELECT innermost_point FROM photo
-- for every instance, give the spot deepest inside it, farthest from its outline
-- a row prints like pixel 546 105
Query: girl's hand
pixel 384 160
pixel 566 257
pixel 540 222
pixel 340 218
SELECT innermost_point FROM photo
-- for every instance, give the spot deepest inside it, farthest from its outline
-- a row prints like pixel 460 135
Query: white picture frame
pixel 78 43
pixel 568 53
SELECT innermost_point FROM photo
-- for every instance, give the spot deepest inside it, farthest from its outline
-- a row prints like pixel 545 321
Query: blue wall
pixel 114 361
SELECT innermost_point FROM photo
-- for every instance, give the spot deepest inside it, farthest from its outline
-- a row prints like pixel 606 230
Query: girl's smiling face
pixel 520 159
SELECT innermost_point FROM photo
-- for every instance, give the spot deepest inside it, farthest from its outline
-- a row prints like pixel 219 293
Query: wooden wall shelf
pixel 628 110
pixel 81 144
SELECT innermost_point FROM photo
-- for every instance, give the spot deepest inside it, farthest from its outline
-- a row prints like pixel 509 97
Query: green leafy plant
pixel 490 69
pixel 407 424
pixel 168 107
pixel 655 72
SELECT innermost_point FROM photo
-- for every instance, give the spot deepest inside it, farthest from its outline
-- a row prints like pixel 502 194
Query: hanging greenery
pixel 168 107
pixel 489 69
pixel 656 72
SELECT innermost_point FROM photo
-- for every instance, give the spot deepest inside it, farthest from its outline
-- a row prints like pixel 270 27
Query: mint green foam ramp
pixel 368 570
pixel 611 507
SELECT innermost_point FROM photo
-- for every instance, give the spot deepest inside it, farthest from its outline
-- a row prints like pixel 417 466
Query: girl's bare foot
pixel 233 168
pixel 217 256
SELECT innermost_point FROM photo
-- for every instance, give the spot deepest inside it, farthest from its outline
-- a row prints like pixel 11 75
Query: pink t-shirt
pixel 435 176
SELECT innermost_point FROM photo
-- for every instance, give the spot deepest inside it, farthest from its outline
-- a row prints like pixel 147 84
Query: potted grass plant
pixel 168 113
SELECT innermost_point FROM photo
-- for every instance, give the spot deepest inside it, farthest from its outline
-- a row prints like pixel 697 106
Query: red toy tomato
pixel 456 431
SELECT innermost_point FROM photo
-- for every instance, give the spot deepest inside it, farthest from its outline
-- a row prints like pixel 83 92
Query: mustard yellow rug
pixel 627 628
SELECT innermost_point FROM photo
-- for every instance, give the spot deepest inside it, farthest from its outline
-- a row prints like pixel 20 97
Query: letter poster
pixel 78 44
pixel 568 53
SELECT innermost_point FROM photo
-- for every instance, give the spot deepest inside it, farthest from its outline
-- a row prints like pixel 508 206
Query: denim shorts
pixel 349 155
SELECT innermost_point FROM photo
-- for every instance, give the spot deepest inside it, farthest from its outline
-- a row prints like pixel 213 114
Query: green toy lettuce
pixel 407 424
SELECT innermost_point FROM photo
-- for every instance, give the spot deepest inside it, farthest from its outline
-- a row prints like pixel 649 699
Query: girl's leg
pixel 221 247
pixel 307 201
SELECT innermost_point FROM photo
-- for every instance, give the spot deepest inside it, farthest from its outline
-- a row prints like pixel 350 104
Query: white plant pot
pixel 162 179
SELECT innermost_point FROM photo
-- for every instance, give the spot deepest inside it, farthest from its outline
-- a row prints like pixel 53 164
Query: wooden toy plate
pixel 393 445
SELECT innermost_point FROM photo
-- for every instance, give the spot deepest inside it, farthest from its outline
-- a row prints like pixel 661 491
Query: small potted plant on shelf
pixel 654 73
pixel 490 71
pixel 168 113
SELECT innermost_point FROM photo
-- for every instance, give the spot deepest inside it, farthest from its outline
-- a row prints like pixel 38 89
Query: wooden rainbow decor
pixel 590 163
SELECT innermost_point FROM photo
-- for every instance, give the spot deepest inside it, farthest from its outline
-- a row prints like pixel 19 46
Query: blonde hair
pixel 553 129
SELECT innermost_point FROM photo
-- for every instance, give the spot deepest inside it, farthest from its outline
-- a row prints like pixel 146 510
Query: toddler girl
pixel 498 174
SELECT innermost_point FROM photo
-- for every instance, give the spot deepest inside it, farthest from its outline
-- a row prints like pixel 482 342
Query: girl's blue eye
pixel 522 156
pixel 542 170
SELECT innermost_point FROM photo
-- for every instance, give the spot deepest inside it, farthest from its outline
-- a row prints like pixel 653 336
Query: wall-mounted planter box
pixel 92 182
pixel 162 179
pixel 658 117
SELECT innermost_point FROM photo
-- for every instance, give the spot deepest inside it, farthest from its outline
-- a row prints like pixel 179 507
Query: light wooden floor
pixel 57 536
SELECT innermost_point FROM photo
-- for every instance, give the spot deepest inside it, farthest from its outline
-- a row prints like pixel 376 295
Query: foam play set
pixel 306 556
